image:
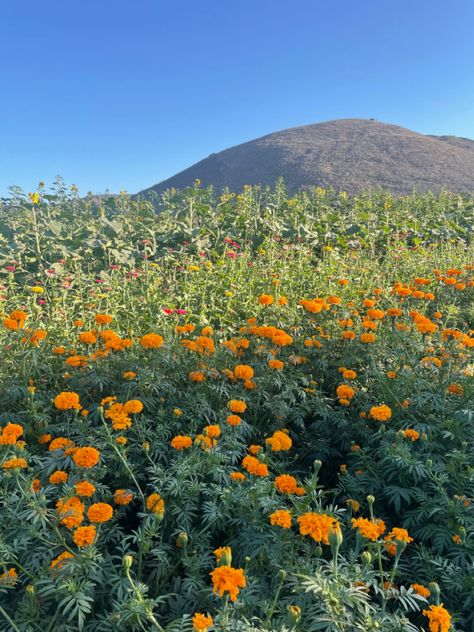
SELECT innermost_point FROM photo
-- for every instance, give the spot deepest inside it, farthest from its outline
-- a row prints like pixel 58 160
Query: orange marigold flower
pixel 61 443
pixel 86 457
pixel 85 489
pixel 103 319
pixel 181 442
pixel 455 389
pixel 345 392
pixel 151 341
pixel 87 337
pixel 276 365
pixel 212 431
pixel 100 512
pixel 439 618
pixel 265 299
pixel 60 561
pixel 421 590
pixel 9 578
pixel 67 400
pixel 196 376
pixel 368 338
pixel 317 526
pixel 71 512
pixel 237 406
pixel 133 406
pixel 13 464
pixel 243 372
pixel 381 413
pixel 123 497
pixel 202 622
pixel 409 433
pixel 279 441
pixel 369 529
pixel 237 476
pixel 281 518
pixel 226 579
pixel 155 504
pixel 287 484
pixel 234 420
pixel 58 477
pixel 84 536
pixel 254 466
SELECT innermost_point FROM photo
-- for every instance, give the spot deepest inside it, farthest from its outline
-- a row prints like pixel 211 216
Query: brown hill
pixel 347 154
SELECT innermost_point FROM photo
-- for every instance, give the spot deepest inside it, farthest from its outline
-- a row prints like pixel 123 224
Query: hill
pixel 347 154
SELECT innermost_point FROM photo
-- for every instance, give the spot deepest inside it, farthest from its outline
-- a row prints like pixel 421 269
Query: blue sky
pixel 120 94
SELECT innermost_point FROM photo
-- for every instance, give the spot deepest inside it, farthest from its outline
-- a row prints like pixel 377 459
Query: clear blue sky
pixel 120 94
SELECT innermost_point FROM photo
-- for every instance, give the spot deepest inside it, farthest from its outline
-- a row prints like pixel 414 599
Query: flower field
pixel 245 412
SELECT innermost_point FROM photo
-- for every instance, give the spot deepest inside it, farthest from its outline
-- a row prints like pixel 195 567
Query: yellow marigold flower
pixel 67 400
pixel 265 299
pixel 85 489
pixel 281 518
pixel 237 476
pixel 181 442
pixel 202 622
pixel 100 512
pixel 14 464
pixel 421 590
pixel 317 526
pixel 86 457
pixel 254 466
pixel 236 406
pixel 287 484
pixel 133 406
pixel 155 504
pixel 381 413
pixel 151 341
pixel 58 477
pixel 226 579
pixel 123 497
pixel 84 536
pixel 439 618
pixel 369 529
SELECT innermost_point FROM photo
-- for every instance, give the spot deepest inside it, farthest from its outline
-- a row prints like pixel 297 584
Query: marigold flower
pixel 265 299
pixel 151 341
pixel 279 441
pixel 14 464
pixel 226 579
pixel 100 512
pixel 129 375
pixel 86 457
pixel 237 476
pixel 67 400
pixel 344 391
pixel 71 512
pixel 61 443
pixel 9 578
pixel 281 518
pixel 317 526
pixel 409 433
pixel 123 497
pixel 202 622
pixel 60 561
pixel 368 338
pixel 85 489
pixel 133 406
pixel 287 484
pixel 84 536
pixel 439 618
pixel 254 466
pixel 212 431
pixel 181 442
pixel 369 529
pixel 421 590
pixel 103 319
pixel 381 413
pixel 155 504
pixel 243 372
pixel 58 477
pixel 196 376
pixel 87 337
pixel 10 434
pixel 236 406
pixel 234 420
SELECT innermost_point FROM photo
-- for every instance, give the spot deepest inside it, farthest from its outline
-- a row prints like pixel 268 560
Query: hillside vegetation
pixel 236 412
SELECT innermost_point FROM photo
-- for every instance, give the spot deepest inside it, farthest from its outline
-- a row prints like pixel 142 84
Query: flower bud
pixel 370 500
pixel 293 615
pixel 366 557
pixel 182 540
pixel 127 562
pixel 317 466
pixel 435 591
pixel 281 574
pixel 318 551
